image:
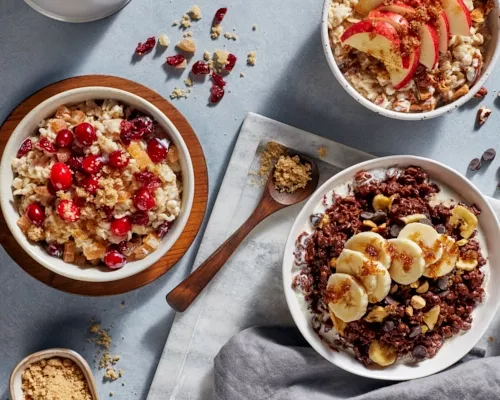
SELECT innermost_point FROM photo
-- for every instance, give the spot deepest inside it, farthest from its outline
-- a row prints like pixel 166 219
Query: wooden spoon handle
pixel 181 297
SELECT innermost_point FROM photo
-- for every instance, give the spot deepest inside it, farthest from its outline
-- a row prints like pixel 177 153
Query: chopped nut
pixel 431 317
pixel 409 311
pixel 415 284
pixel 163 40
pixel 24 223
pixel 178 93
pixel 185 21
pixel 369 223
pixel 481 93
pixel 69 252
pixel 175 23
pixel 188 82
pixel 461 92
pixel 377 314
pixel 195 13
pixel 482 114
pixel 423 288
pixel 251 58
pixel 187 44
pixel 412 218
pixel 230 35
pixel 417 302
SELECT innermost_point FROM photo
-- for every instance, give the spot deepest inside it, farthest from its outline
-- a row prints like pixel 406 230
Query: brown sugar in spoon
pixel 181 297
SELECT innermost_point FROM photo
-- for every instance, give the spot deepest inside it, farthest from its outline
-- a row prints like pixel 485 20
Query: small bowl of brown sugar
pixel 53 374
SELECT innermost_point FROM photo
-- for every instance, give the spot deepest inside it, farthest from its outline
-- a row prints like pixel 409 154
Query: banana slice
pixel 466 264
pixel 447 262
pixel 407 261
pixel 346 298
pixel 382 354
pixel 467 221
pixel 427 238
pixel 372 245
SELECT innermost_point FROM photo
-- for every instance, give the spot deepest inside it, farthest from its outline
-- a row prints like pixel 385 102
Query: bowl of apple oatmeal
pixel 411 59
pixel 101 184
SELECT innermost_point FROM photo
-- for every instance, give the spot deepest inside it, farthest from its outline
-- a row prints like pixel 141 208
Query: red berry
pixel 114 259
pixel 35 214
pixel 60 176
pixel 148 45
pixel 148 180
pixel 75 163
pixel 64 138
pixel 46 145
pixel 85 134
pixel 219 15
pixel 55 250
pixel 25 148
pixel 120 227
pixel 91 184
pixel 156 150
pixel 231 60
pixel 92 164
pixel 118 159
pixel 136 129
pixel 175 60
pixel 200 68
pixel 216 94
pixel 68 210
pixel 218 80
pixel 144 200
pixel 139 218
pixel 163 229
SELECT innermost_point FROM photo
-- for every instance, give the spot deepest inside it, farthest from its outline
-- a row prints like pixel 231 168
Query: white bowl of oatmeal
pixel 426 58
pixel 101 184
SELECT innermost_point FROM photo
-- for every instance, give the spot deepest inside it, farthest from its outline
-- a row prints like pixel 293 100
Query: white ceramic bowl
pixel 493 51
pixel 16 393
pixel 454 348
pixel 29 127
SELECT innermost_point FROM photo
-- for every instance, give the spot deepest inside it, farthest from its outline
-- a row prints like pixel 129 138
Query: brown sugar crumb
pixel 290 174
pixel 491 338
pixel 55 378
pixel 103 338
pixel 322 152
pixel 185 21
pixel 111 374
pixel 270 156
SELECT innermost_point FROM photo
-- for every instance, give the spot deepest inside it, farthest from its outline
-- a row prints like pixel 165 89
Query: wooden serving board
pixel 180 247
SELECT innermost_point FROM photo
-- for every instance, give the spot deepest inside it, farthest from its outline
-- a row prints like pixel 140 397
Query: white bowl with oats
pixel 101 184
pixel 411 59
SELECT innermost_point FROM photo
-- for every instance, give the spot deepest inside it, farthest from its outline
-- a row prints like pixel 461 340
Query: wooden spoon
pixel 181 297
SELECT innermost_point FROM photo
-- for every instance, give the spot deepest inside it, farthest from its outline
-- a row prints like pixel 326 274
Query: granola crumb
pixel 195 13
pixel 185 21
pixel 178 93
pixel 111 394
pixel 120 373
pixel 115 359
pixel 163 40
pixel 481 93
pixel 482 114
pixel 220 59
pixel 254 27
pixel 322 152
pixel 216 32
pixel 290 174
pixel 251 58
pixel 111 374
pixel 242 75
pixel 188 82
pixel 272 152
pixel 230 36
pixel 206 55
pixel 188 34
pixel 187 44
pixel 175 23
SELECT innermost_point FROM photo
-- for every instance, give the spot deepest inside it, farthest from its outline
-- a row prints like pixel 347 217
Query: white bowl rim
pixel 96 92
pixel 290 294
pixel 395 114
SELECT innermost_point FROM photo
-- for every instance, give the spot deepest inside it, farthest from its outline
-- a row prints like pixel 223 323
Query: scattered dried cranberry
pixel 148 45
pixel 114 259
pixel 218 80
pixel 219 15
pixel 120 227
pixel 139 218
pixel 175 60
pixel 489 155
pixel 148 180
pixel 163 229
pixel 46 145
pixel 156 151
pixel 60 176
pixel 231 60
pixel 92 164
pixel 68 210
pixel 200 68
pixel 55 250
pixel 91 184
pixel 75 163
pixel 35 214
pixel 475 164
pixel 85 134
pixel 216 94
pixel 118 159
pixel 126 131
pixel 64 138
pixel 144 199
pixel 25 148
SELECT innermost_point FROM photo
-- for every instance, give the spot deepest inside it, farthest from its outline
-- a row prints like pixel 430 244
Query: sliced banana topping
pixel 338 324
pixel 465 220
pixel 382 354
pixel 407 261
pixel 409 219
pixel 372 245
pixel 346 297
pixel 427 238
pixel 466 264
pixel 448 260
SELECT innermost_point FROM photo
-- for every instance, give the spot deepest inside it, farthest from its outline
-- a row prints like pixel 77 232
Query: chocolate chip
pixel 379 217
pixel 442 283
pixel 366 215
pixel 419 352
pixel 316 219
pixel 475 164
pixel 395 229
pixel 415 331
pixel 443 294
pixel 489 155
pixel 388 326
pixel 426 221
pixel 441 229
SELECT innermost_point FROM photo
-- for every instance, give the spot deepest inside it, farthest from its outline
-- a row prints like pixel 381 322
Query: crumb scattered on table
pixel 216 31
pixel 254 27
pixel 195 13
pixel 290 174
pixel 230 36
pixel 188 82
pixel 179 93
pixel 491 338
pixel 206 55
pixel 322 152
pixel 251 58
pixel 272 152
pixel 242 74
pixel 175 23
pixel 163 40
pixel 185 21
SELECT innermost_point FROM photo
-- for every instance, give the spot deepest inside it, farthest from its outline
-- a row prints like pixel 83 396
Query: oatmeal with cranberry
pixel 390 266
pixel 100 183
pixel 410 55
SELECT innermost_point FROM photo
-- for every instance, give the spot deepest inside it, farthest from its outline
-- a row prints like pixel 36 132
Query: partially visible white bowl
pixel 493 52
pixel 453 349
pixel 28 127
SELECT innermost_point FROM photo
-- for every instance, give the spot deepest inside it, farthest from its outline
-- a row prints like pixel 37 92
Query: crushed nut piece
pixel 482 115
pixel 185 21
pixel 163 40
pixel 188 82
pixel 206 55
pixel 216 32
pixel 290 174
pixel 229 36
pixel 461 92
pixel 481 93
pixel 187 44
pixel 195 13
pixel 179 93
pixel 251 58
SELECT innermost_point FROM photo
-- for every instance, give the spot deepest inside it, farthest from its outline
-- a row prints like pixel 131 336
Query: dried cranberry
pixel 75 163
pixel 163 229
pixel 216 94
pixel 46 145
pixel 35 214
pixel 126 131
pixel 148 180
pixel 139 218
pixel 118 159
pixel 64 138
pixel 175 60
pixel 25 148
pixel 136 129
pixel 91 184
pixel 79 201
pixel 114 259
pixel 200 68
pixel 218 80
pixel 60 176
pixel 148 45
pixel 109 213
pixel 92 164
pixel 55 250
pixel 144 200
pixel 156 150
pixel 219 15
pixel 85 134
pixel 231 60
pixel 120 227
pixel 68 210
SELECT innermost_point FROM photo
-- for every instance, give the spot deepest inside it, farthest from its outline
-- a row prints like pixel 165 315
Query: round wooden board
pixel 197 212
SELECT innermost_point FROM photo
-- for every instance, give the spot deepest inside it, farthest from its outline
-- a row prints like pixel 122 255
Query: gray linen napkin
pixel 277 363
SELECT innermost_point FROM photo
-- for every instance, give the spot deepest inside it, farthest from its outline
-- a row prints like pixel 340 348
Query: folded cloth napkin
pixel 277 363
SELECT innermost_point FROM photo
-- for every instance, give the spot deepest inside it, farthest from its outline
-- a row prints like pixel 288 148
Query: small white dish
pixel 16 392
pixel 454 348
pixel 29 127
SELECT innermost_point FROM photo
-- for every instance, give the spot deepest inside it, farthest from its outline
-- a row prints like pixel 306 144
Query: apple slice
pixel 376 38
pixel 458 17
pixel 398 8
pixel 365 6
pixel 429 46
pixel 443 30
pixel 400 77
pixel 396 20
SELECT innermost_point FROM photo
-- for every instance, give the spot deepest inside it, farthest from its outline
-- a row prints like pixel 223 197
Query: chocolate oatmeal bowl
pixel 390 268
